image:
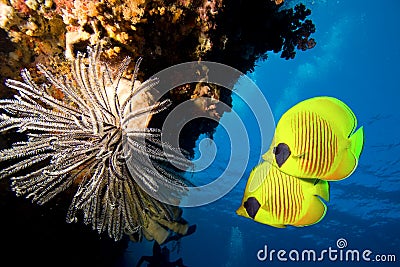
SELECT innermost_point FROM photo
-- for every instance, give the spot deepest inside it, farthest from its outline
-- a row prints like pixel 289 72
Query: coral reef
pixel 164 33
pixel 245 33
pixel 236 33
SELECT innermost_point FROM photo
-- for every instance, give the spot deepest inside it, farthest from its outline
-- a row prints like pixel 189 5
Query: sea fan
pixel 80 140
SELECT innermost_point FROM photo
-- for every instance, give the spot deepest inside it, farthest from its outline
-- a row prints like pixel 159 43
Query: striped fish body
pixel 319 139
pixel 277 199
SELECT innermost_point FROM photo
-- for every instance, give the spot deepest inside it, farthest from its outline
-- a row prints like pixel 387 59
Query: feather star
pixel 79 141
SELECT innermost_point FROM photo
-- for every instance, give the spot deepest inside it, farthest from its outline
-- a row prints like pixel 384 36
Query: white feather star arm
pixel 79 140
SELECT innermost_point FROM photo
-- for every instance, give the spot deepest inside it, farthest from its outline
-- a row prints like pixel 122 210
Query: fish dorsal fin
pixel 337 113
pixel 333 110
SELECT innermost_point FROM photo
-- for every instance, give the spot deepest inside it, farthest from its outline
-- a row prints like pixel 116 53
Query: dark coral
pixel 164 33
pixel 239 35
pixel 246 32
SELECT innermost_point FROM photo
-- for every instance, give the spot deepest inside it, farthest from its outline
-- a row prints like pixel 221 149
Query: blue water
pixel 356 60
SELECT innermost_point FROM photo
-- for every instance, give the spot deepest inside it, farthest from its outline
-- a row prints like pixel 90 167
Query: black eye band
pixel 282 153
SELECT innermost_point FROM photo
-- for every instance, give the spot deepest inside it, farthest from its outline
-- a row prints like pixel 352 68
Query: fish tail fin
pixel 357 142
pixel 322 189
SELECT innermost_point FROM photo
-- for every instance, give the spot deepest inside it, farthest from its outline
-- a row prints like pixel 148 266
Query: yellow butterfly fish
pixel 316 139
pixel 278 199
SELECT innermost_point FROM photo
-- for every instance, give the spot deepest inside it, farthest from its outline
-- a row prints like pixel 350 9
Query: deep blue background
pixel 357 60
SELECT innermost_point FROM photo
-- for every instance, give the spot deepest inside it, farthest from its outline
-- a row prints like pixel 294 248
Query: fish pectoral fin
pixel 300 156
pixel 316 211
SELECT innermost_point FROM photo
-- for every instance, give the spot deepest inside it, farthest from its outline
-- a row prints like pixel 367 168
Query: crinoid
pixel 79 140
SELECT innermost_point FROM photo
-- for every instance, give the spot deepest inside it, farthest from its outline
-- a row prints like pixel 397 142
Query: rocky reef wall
pixel 164 33
pixel 51 32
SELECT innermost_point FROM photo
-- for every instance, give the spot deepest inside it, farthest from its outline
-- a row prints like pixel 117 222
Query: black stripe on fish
pixel 282 153
pixel 252 206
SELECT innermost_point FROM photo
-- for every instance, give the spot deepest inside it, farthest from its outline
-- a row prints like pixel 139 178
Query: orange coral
pixel 21 7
